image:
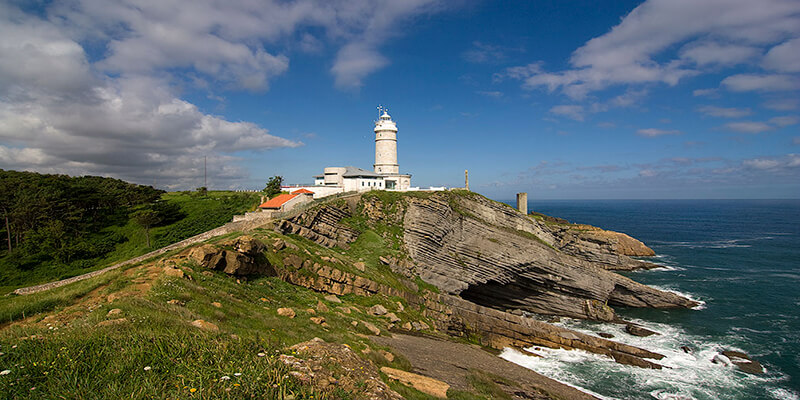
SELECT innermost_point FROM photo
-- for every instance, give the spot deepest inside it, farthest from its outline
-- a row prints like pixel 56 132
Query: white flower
pixel 237 374
pixel 225 378
pixel 5 372
pixel 261 355
pixel 148 368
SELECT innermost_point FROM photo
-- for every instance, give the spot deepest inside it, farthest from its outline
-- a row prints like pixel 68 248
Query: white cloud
pixel 354 62
pixel 762 83
pixel 787 163
pixel 784 57
pixel 638 49
pixel 494 94
pixel 483 53
pixel 62 117
pixel 749 126
pixel 784 120
pixel 760 163
pixel 570 111
pixel 231 41
pixel 783 104
pixel 725 112
pixel 705 92
pixel 647 173
pixel 654 132
pixel 712 53
pixel 368 24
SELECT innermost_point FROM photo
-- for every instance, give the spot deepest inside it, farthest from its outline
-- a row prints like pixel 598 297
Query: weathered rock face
pixel 244 259
pixel 492 255
pixel 459 317
pixel 321 225
pixel 489 253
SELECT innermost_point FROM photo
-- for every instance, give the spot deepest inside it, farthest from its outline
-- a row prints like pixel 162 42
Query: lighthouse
pixel 385 144
pixel 386 175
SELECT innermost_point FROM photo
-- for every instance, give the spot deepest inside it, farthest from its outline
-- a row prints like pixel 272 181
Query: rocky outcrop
pixel 424 384
pixel 321 225
pixel 744 362
pixel 459 317
pixel 331 366
pixel 245 258
pixel 492 255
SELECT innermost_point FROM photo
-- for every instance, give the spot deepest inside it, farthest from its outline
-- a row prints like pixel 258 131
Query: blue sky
pixel 561 99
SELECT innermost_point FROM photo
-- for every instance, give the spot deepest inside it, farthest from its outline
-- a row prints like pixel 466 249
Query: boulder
pixel 393 318
pixel 114 312
pixel 372 328
pixel 637 330
pixel 203 254
pixel 216 304
pixel 430 386
pixel 174 272
pixel 176 302
pixel 244 259
pixel 377 309
pixel 332 298
pixel 388 356
pixel 248 245
pixel 286 312
pixel 418 326
pixel 205 325
pixel 605 335
pixel 318 320
pixel 744 362
pixel 360 266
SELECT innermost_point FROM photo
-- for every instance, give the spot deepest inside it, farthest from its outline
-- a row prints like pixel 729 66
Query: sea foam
pixel 687 376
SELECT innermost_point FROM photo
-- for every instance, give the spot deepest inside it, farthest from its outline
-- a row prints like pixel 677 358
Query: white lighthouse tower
pixel 386 153
pixel 385 144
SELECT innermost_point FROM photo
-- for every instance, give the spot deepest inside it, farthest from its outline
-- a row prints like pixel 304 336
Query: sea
pixel 739 258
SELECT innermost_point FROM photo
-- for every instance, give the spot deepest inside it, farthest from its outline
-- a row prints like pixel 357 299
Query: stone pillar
pixel 522 202
pixel 466 179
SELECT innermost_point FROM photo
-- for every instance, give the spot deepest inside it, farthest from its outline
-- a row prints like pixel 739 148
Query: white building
pixel 386 175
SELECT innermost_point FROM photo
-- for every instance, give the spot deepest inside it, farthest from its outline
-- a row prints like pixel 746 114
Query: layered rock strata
pixel 492 255
pixel 459 317
pixel 488 253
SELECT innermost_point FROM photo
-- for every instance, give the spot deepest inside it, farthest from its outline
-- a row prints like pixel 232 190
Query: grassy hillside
pixel 185 214
pixel 60 343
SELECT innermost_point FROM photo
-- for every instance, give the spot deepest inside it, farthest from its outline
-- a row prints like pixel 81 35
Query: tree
pixel 146 218
pixel 202 191
pixel 273 186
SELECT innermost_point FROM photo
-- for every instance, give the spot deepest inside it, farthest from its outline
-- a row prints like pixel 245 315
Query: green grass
pixel 84 361
pixel 201 214
pixel 15 308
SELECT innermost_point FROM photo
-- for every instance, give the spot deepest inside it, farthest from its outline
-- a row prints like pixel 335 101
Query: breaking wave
pixel 689 374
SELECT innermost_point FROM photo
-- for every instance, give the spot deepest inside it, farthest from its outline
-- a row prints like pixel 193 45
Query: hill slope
pixel 186 323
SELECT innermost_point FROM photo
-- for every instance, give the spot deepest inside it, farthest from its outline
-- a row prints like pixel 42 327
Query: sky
pixel 655 99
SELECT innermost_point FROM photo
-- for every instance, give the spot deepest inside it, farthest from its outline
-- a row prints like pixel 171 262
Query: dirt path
pixel 452 363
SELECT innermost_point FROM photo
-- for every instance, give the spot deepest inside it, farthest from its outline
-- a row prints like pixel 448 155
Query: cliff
pixel 490 254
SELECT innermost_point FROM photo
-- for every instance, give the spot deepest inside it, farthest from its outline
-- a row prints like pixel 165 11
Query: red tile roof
pixel 303 191
pixel 278 201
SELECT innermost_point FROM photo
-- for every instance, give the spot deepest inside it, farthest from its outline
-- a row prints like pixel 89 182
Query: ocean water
pixel 740 258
